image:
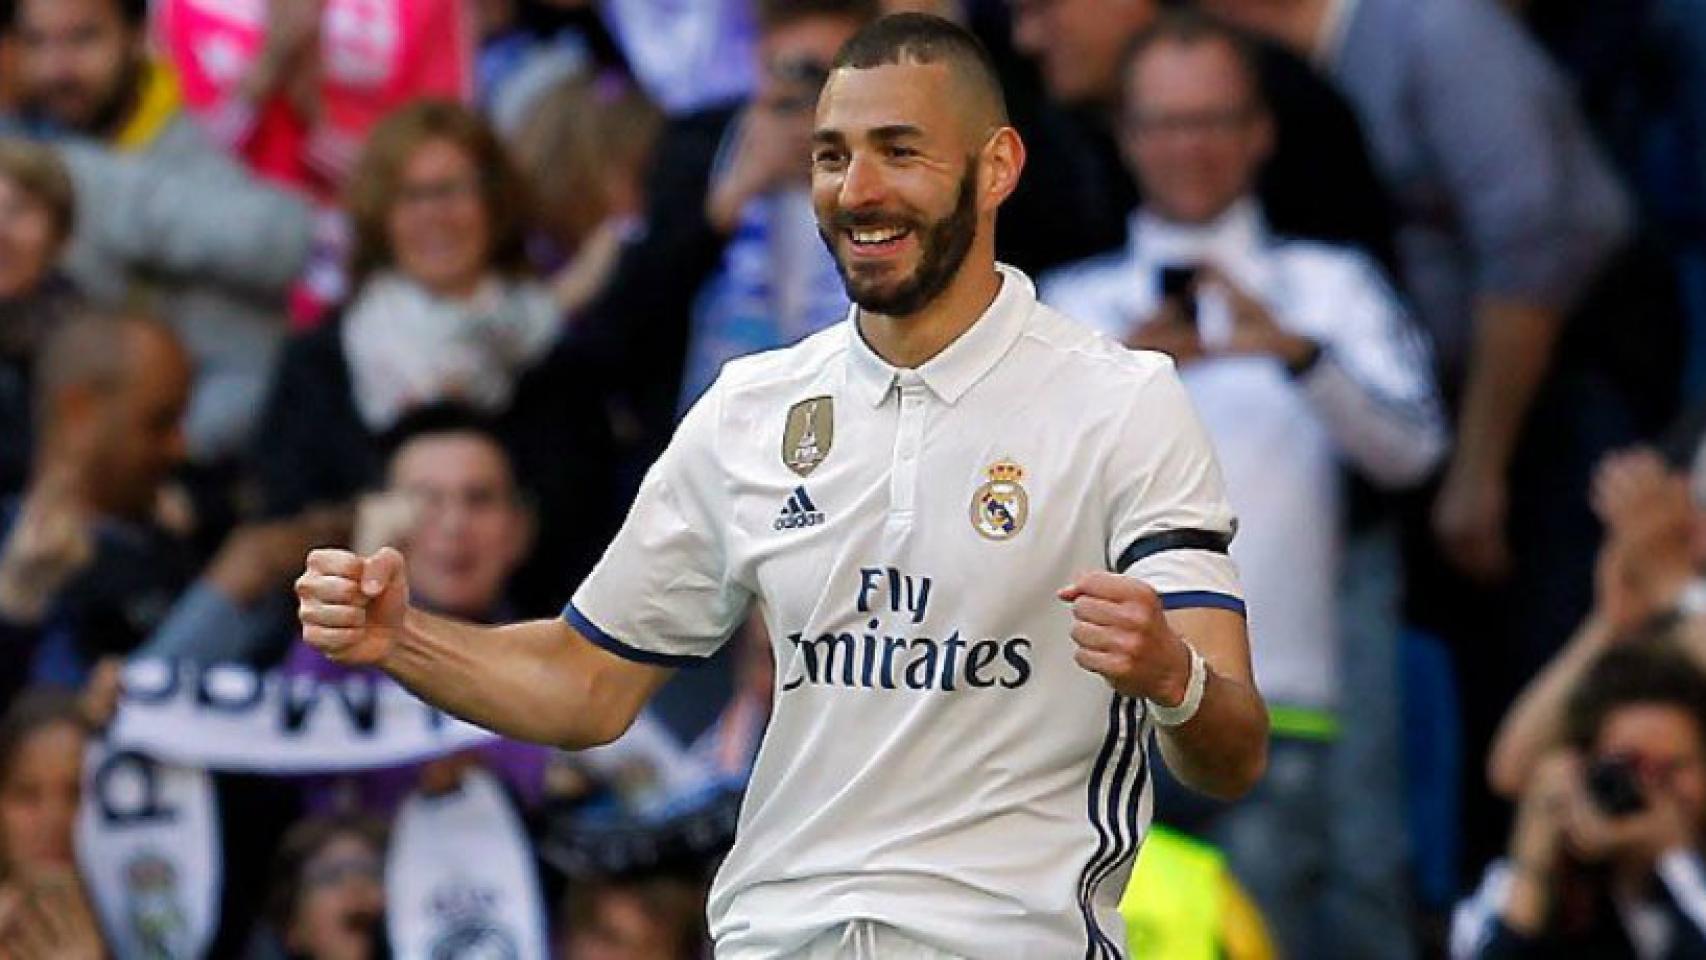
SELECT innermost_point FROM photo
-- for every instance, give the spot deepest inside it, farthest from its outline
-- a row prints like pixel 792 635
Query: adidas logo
pixel 798 512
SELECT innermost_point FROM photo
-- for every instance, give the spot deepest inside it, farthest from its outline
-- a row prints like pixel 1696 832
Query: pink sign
pixel 375 55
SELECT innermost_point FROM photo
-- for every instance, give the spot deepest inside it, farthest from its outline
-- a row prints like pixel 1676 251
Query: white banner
pixel 235 719
pixel 148 843
pixel 460 880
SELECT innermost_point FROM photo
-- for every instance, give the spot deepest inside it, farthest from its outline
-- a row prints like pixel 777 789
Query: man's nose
pixel 863 184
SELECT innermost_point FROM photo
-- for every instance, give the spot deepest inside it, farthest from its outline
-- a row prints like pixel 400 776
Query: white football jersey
pixel 936 761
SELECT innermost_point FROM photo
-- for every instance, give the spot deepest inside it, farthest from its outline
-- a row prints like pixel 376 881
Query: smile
pixel 878 241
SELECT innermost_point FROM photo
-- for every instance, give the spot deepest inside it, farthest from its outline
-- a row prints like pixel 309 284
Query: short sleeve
pixel 1171 525
pixel 663 593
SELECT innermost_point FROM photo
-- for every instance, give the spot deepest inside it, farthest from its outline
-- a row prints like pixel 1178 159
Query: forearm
pixel 537 681
pixel 1527 902
pixel 207 626
pixel 1536 721
pixel 1223 750
pixel 1395 442
pixel 1513 351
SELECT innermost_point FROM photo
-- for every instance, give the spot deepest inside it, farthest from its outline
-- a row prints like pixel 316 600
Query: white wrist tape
pixel 1187 708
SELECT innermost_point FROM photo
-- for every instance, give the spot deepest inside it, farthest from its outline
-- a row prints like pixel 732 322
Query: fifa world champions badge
pixel 999 507
pixel 810 432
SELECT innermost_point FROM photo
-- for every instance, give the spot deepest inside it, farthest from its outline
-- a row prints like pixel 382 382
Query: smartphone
pixel 1179 284
pixel 1615 788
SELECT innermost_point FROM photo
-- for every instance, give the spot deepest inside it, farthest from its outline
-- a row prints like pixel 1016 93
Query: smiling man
pixel 990 546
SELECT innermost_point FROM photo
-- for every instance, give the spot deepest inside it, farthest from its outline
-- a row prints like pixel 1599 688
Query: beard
pixel 943 246
pixel 96 112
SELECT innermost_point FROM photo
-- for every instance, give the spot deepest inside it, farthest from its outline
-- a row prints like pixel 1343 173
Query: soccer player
pixel 990 546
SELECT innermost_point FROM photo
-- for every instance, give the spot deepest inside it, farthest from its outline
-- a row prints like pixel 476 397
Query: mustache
pixel 862 219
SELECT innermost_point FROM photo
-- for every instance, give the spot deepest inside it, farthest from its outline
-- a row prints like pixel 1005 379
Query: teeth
pixel 877 236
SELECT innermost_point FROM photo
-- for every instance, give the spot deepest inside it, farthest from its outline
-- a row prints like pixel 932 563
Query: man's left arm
pixel 1541 211
pixel 1367 374
pixel 1217 740
pixel 1165 619
pixel 206 219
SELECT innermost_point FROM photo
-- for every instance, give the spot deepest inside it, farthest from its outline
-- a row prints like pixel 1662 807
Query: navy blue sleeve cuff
pixel 1186 599
pixel 605 641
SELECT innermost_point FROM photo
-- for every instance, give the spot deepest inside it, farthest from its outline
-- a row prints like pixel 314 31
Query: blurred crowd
pixel 442 275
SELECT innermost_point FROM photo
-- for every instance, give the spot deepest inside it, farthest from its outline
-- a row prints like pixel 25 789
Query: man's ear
pixel 1002 163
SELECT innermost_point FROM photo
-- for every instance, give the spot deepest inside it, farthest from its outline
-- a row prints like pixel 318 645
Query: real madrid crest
pixel 809 434
pixel 999 508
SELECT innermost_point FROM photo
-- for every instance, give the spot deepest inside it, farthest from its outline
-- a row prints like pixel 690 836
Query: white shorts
pixel 861 940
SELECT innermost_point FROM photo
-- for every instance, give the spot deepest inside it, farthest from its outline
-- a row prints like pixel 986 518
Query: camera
pixel 1179 285
pixel 1615 788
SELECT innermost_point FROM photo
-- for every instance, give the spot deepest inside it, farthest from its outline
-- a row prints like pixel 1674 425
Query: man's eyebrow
pixel 895 131
pixel 887 133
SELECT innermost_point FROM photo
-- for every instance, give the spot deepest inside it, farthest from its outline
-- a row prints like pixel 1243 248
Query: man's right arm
pixel 540 681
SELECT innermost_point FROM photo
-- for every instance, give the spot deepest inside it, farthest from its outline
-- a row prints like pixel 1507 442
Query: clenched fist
pixel 1122 634
pixel 351 606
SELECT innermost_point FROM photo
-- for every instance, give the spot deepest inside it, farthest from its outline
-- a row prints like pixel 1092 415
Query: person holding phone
pixel 1302 362
pixel 1605 860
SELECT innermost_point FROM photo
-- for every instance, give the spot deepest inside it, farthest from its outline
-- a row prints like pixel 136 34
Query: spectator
pixel 1318 184
pixel 689 58
pixel 86 567
pixel 37 211
pixel 777 282
pixel 1182 900
pixel 327 898
pixel 296 94
pixel 84 570
pixel 639 918
pixel 527 46
pixel 444 309
pixel 1605 860
pixel 453 506
pixel 165 216
pixel 1297 356
pixel 1649 570
pixel 44 911
pixel 1510 217
pixel 729 261
pixel 585 144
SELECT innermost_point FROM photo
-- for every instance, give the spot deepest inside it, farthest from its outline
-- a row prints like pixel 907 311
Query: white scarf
pixel 148 842
pixel 278 724
pixel 460 880
pixel 408 347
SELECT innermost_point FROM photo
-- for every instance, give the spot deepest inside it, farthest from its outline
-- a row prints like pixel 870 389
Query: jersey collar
pixel 964 362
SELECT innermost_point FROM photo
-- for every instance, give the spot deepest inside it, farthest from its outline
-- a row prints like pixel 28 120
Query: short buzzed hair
pixel 91 348
pixel 919 38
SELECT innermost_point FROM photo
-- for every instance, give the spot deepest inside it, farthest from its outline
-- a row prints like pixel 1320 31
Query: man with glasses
pixel 1301 360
